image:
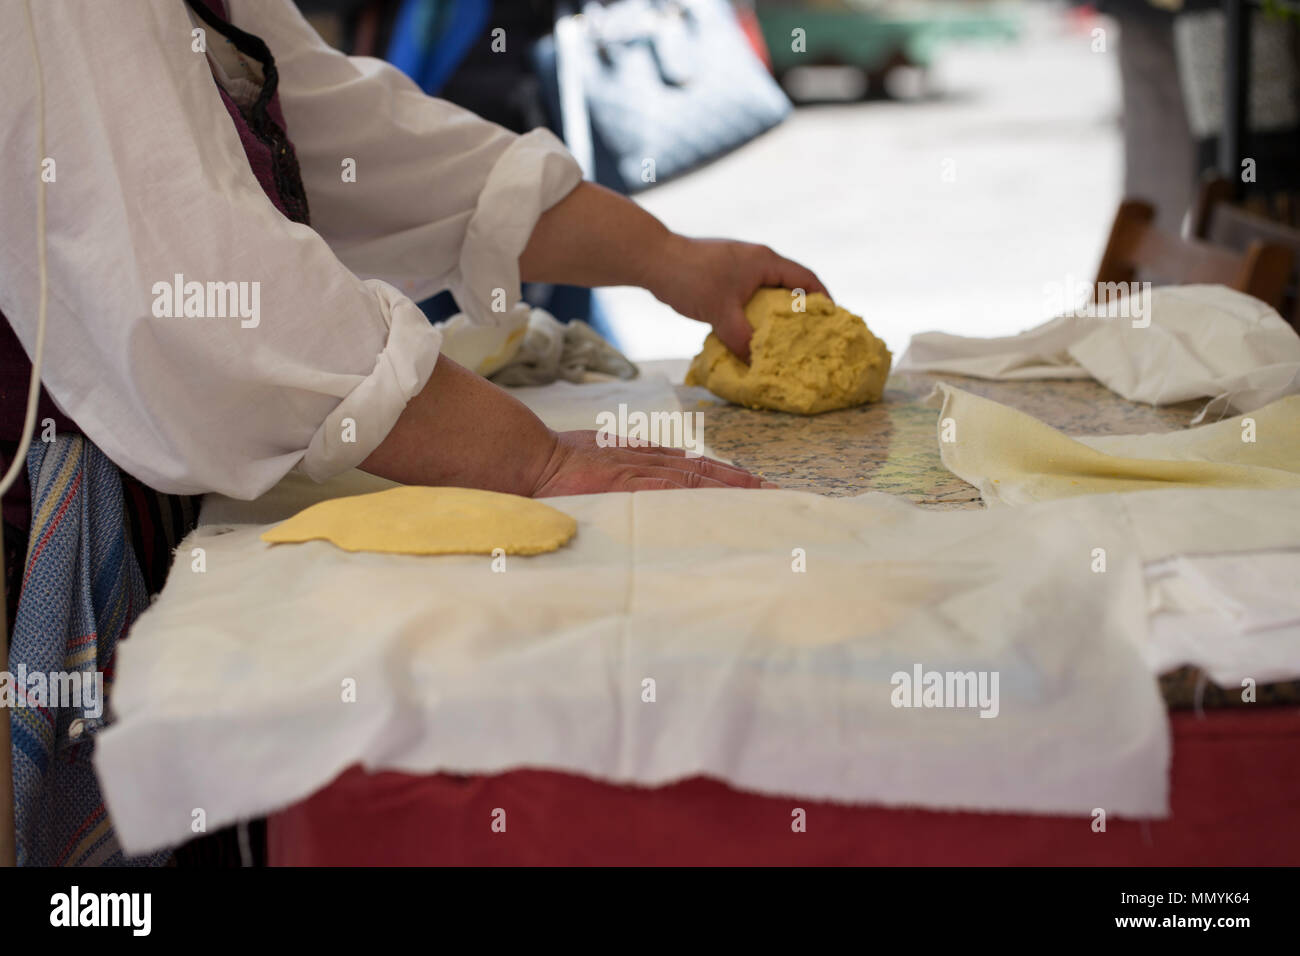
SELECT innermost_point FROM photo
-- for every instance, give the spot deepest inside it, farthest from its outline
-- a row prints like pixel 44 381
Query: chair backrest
pixel 1216 219
pixel 1138 251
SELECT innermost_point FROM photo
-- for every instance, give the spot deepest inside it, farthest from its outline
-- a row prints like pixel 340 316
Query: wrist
pixel 542 465
pixel 663 265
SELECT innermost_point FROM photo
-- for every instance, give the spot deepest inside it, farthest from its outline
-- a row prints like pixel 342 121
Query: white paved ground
pixel 1028 135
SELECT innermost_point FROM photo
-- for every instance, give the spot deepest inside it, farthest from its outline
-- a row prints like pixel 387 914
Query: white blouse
pixel 287 346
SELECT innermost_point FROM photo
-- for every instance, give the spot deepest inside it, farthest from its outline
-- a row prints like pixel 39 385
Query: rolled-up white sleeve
pixel 404 187
pixel 148 181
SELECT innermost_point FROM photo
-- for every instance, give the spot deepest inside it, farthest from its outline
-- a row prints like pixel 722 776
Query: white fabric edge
pixel 401 370
pixel 532 175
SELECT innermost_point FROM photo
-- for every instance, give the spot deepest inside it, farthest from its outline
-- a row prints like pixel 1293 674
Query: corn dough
pixel 807 362
pixel 415 519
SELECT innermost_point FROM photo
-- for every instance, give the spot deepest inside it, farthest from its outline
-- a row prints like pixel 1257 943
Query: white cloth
pixel 151 182
pixel 480 347
pixel 1237 617
pixel 533 348
pixel 230 693
pixel 571 351
pixel 1201 342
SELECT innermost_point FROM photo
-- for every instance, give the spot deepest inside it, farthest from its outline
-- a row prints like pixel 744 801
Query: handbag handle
pixel 604 45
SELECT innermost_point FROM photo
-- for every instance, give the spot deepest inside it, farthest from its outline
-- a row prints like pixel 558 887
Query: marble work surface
pixel 892 445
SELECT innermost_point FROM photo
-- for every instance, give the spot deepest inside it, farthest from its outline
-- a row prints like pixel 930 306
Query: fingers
pixel 641 446
pixel 727 474
pixel 639 453
pixel 677 478
pixel 677 459
pixel 797 277
pixel 691 473
pixel 788 274
pixel 683 472
pixel 735 332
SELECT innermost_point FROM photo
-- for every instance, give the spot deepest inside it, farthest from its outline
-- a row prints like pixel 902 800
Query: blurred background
pixel 941 164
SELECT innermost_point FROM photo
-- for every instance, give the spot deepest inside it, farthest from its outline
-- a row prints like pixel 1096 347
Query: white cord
pixel 34 384
pixel 8 838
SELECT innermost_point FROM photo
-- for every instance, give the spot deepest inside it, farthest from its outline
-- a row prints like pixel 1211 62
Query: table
pixel 890 446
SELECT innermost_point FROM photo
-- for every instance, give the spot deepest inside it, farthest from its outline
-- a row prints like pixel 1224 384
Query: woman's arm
pixel 271 354
pixel 442 198
pixel 463 430
pixel 595 237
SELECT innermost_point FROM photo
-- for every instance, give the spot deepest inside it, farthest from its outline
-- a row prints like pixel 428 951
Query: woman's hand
pixel 594 237
pixel 462 430
pixel 579 465
pixel 711 280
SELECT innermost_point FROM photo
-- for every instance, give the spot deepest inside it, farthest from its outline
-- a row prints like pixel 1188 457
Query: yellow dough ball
pixel 415 519
pixel 807 362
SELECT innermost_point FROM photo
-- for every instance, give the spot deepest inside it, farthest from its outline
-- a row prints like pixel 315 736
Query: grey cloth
pixel 554 350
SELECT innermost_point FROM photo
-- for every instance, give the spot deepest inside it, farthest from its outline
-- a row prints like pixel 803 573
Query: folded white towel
pixel 1171 344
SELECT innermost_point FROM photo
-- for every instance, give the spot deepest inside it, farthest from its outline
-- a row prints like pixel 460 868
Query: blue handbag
pixel 649 89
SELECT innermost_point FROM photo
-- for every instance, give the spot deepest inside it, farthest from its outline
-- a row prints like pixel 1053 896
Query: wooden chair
pixel 1216 218
pixel 1139 251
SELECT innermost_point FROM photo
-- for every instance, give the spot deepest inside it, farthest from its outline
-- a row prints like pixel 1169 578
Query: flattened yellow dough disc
pixel 807 362
pixel 415 519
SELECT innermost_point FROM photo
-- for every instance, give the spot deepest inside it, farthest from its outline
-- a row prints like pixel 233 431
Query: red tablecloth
pixel 1236 801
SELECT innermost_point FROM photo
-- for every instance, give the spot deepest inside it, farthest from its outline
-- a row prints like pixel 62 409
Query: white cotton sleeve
pixel 440 198
pixel 148 182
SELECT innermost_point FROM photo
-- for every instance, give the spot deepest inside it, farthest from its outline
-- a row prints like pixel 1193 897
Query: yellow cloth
pixel 806 362
pixel 413 519
pixel 1013 458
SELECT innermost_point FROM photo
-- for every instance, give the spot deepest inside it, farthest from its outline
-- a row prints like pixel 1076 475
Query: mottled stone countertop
pixel 893 446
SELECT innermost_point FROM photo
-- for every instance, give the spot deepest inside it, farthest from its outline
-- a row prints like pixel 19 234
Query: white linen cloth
pixel 1235 616
pixel 1202 341
pixel 480 347
pixel 570 351
pixel 151 182
pixel 534 348
pixel 230 694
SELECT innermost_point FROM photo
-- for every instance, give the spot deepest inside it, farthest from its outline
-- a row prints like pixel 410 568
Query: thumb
pixel 788 274
pixel 734 330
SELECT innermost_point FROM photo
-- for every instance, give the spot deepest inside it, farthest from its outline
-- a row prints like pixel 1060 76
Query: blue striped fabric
pixel 82 590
